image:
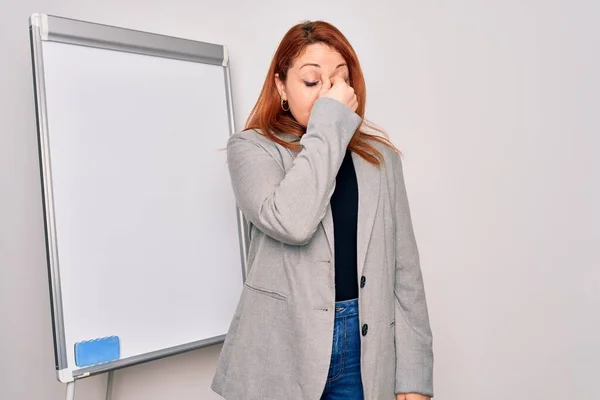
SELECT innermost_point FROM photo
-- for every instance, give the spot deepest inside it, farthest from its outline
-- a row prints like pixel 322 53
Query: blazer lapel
pixel 327 223
pixel 368 177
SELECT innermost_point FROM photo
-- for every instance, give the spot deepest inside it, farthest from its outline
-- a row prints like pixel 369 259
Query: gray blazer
pixel 280 339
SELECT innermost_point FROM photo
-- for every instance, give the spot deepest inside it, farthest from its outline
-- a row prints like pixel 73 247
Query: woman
pixel 333 306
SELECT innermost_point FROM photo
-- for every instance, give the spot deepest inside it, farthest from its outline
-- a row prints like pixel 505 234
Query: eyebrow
pixel 318 66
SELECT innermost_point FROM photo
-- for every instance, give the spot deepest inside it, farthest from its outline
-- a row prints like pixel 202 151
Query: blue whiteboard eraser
pixel 97 351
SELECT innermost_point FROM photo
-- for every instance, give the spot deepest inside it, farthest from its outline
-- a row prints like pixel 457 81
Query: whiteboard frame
pixel 44 27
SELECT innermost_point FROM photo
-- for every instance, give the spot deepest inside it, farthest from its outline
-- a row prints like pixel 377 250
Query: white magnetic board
pixel 142 226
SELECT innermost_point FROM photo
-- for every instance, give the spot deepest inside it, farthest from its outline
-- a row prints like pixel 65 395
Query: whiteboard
pixel 145 242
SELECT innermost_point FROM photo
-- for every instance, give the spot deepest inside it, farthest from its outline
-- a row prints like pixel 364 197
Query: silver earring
pixel 283 104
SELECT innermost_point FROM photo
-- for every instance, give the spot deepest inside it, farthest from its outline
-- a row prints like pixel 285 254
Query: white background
pixel 494 106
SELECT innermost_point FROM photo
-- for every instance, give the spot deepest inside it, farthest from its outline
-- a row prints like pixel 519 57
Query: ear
pixel 280 87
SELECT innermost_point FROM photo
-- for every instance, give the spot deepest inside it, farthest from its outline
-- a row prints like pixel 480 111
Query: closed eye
pixel 310 84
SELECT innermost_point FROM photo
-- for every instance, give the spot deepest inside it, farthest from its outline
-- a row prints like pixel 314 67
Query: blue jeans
pixel 344 380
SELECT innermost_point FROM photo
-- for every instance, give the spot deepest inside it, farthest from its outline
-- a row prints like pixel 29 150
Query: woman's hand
pixel 411 396
pixel 341 92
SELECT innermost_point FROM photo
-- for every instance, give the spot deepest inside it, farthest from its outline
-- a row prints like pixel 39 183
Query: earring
pixel 283 104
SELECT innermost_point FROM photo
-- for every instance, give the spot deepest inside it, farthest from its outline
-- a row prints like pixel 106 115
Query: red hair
pixel 268 117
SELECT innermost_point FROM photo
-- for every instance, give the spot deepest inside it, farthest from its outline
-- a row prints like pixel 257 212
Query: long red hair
pixel 268 117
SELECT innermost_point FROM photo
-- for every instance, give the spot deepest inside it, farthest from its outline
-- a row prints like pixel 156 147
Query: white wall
pixel 493 105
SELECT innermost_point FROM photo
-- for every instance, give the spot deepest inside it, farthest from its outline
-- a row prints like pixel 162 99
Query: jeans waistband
pixel 346 308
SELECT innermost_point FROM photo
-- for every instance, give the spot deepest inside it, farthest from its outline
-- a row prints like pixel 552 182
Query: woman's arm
pixel 289 206
pixel 414 354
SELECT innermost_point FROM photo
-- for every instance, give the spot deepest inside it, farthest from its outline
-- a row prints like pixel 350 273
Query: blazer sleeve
pixel 414 353
pixel 288 206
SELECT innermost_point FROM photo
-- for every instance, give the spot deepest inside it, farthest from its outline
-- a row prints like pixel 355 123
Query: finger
pixel 324 89
pixel 351 102
pixel 337 80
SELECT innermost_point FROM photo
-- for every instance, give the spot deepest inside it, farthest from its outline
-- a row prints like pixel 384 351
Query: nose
pixel 326 83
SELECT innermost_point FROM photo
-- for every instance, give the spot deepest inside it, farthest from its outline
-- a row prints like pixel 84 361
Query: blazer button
pixel 365 329
pixel 362 282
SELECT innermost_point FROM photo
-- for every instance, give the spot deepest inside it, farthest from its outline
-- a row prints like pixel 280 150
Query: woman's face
pixel 310 73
